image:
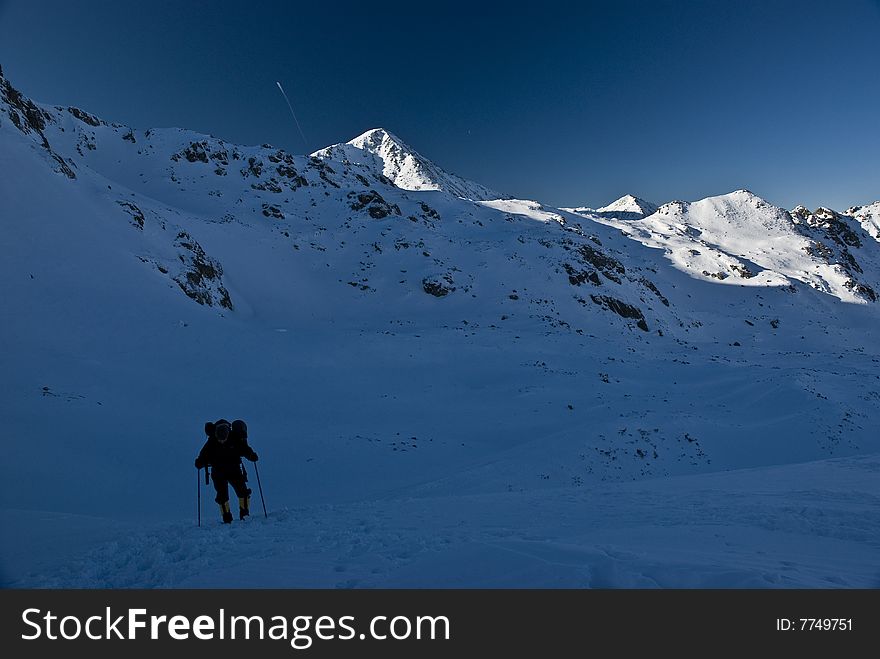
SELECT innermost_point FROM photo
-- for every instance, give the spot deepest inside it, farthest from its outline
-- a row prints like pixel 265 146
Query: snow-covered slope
pixel 769 527
pixel 398 351
pixel 386 154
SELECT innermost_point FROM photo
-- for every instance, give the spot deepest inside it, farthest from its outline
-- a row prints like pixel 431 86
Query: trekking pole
pixel 261 490
pixel 207 482
pixel 199 492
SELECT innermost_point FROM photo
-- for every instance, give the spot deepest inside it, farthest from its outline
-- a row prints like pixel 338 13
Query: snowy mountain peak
pixel 375 138
pixel 742 197
pixel 825 213
pixel 739 210
pixel 630 205
pixel 869 217
pixel 799 213
pixel 389 157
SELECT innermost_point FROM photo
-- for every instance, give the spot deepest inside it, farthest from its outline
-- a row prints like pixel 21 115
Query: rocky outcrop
pixel 832 238
pixel 85 117
pixel 439 285
pixel 622 309
pixel 375 204
pixel 270 210
pixel 137 216
pixel 201 277
pixel 28 118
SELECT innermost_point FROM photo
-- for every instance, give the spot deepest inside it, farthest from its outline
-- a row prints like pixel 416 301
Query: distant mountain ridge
pixel 742 236
pixel 737 235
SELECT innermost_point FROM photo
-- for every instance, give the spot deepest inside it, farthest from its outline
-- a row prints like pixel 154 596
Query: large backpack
pixel 239 427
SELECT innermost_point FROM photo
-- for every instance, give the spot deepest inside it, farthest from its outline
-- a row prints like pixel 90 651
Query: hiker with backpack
pixel 225 447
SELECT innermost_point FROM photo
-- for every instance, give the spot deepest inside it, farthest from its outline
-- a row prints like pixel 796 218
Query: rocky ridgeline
pixel 580 277
pixel 30 119
pixel 833 236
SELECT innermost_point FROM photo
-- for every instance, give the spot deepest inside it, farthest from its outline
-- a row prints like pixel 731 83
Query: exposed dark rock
pixel 137 216
pixel 196 152
pixel 255 167
pixel 271 186
pixel 86 139
pixel 85 117
pixel 605 264
pixel 63 167
pixel 830 239
pixel 835 227
pixel 324 170
pixel 850 261
pixel 401 243
pixel 429 212
pixel 201 278
pixel 577 277
pixel 294 179
pixel 743 271
pixel 27 117
pixel 32 118
pixel 621 309
pixel 270 210
pixel 861 289
pixel 439 285
pixel 375 204
pixel 820 251
pixel 647 283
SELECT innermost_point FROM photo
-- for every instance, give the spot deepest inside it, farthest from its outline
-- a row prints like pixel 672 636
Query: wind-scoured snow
pixel 443 390
pixel 525 208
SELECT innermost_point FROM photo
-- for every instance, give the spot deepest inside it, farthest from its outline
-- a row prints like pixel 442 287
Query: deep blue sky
pixel 566 103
